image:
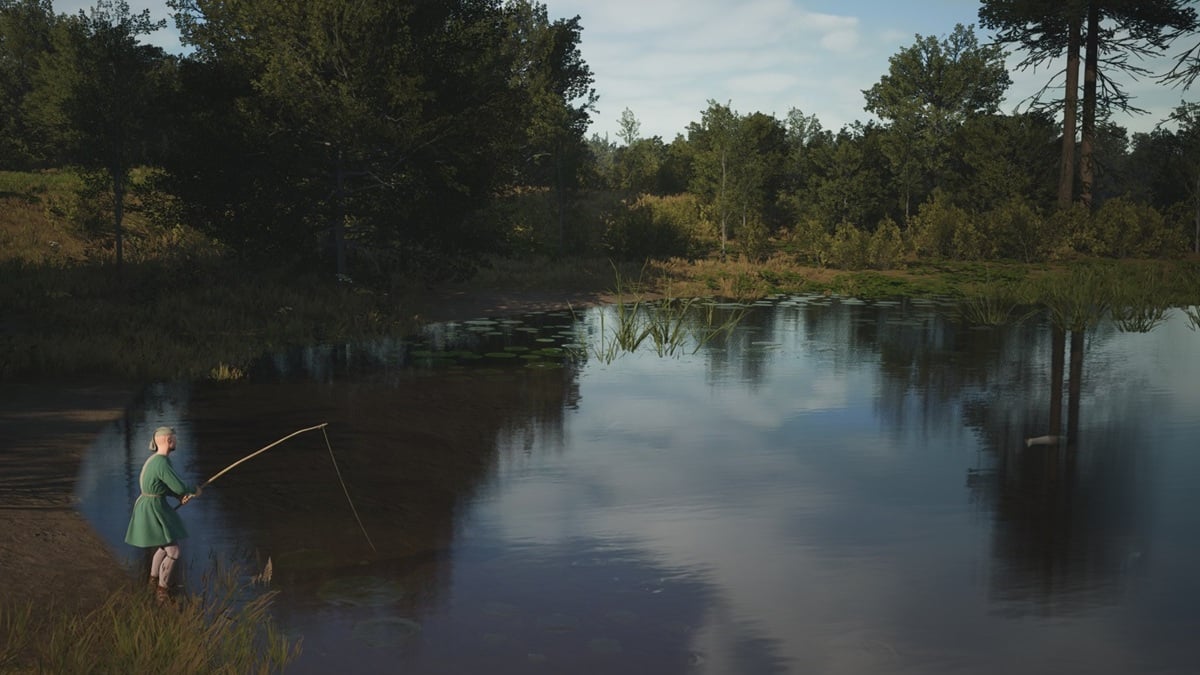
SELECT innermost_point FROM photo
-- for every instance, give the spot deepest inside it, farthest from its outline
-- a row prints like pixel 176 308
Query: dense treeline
pixel 380 138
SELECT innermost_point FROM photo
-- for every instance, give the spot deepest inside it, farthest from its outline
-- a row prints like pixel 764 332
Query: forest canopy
pixel 380 137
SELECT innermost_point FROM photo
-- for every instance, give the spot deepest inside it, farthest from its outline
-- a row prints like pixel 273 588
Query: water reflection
pixel 836 487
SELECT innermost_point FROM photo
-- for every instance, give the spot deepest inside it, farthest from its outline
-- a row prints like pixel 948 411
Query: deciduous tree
pixel 404 117
pixel 98 92
pixel 931 89
pixel 25 33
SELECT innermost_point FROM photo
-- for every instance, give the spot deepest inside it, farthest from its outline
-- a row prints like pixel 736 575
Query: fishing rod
pixel 265 448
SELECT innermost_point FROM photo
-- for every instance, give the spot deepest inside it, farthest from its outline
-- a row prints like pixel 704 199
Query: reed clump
pixel 1078 299
pixel 1193 315
pixel 220 630
pixel 667 324
pixel 1140 302
pixel 996 303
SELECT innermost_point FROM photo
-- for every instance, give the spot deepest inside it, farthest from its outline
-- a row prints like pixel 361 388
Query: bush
pixel 655 227
pixel 754 240
pixel 969 242
pixel 886 246
pixel 1019 231
pixel 810 243
pixel 1071 232
pixel 849 247
pixel 932 230
pixel 1124 229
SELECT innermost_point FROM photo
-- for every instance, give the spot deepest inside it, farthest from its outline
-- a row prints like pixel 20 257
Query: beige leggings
pixel 163 563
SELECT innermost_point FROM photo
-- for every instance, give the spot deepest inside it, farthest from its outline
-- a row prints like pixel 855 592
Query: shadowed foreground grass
pixel 225 629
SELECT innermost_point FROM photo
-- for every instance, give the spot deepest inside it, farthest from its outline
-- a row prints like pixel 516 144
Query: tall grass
pixel 667 324
pixel 1136 296
pixel 995 304
pixel 1139 301
pixel 221 630
pixel 1079 299
pixel 1193 315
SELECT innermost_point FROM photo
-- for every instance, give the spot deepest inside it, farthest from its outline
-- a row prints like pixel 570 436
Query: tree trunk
pixel 339 217
pixel 560 199
pixel 1057 358
pixel 1074 387
pixel 119 214
pixel 724 208
pixel 1066 173
pixel 1087 136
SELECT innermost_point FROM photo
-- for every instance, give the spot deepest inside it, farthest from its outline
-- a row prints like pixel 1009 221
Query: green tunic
pixel 154 522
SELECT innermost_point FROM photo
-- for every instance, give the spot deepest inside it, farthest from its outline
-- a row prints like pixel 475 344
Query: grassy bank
pixel 159 321
pixel 225 629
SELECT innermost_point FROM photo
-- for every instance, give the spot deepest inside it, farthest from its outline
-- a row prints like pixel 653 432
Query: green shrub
pixel 849 247
pixel 1070 233
pixel 655 227
pixel 1019 231
pixel 1124 229
pixel 810 243
pixel 754 241
pixel 932 230
pixel 969 242
pixel 886 246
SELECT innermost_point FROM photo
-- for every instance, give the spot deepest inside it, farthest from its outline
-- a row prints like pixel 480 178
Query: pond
pixel 825 486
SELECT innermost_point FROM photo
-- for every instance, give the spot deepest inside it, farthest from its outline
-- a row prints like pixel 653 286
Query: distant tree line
pixel 401 134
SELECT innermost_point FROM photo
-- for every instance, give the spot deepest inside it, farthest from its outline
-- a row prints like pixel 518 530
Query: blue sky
pixel 665 59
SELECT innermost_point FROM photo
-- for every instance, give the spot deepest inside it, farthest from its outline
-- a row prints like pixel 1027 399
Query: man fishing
pixel 154 524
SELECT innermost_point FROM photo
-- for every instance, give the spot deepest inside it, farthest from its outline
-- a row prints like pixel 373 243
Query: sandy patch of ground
pixel 49 554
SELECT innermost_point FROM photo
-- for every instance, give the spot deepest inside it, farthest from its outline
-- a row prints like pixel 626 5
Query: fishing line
pixel 336 470
pixel 348 500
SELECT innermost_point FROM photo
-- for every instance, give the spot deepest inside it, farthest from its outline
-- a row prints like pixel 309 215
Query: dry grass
pixel 225 629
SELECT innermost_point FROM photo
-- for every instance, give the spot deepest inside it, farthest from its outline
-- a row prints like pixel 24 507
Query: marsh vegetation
pixel 226 627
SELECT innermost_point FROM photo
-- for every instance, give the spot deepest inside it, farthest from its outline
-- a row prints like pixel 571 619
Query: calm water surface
pixel 837 487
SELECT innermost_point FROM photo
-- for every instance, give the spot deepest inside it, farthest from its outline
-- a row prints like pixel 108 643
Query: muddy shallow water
pixel 836 487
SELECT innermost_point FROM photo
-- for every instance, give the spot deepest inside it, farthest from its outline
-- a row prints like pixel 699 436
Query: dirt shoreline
pixel 49 554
